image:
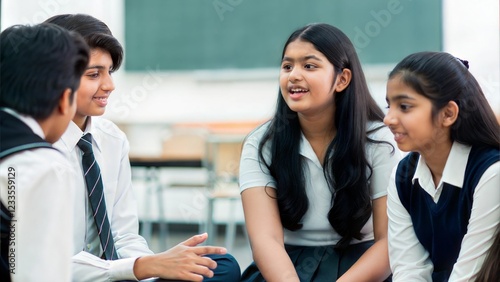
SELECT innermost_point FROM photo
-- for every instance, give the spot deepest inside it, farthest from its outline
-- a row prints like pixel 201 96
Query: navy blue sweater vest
pixel 16 136
pixel 440 227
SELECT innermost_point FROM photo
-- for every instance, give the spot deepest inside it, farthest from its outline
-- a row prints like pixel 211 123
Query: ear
pixel 65 102
pixel 343 80
pixel 450 113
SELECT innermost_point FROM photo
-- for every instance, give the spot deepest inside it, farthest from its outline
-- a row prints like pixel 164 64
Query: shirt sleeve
pixel 88 267
pixel 408 258
pixel 485 217
pixel 43 216
pixel 383 157
pixel 254 172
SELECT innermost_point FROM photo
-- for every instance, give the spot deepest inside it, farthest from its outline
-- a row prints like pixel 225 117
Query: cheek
pixel 283 79
pixel 86 92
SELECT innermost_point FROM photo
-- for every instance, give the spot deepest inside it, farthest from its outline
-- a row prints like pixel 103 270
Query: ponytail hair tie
pixel 464 62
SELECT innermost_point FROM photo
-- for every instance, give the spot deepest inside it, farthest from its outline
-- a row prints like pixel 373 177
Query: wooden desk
pixel 149 162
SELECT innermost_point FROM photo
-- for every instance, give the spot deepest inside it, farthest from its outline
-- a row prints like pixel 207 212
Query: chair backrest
pixel 184 144
pixel 222 156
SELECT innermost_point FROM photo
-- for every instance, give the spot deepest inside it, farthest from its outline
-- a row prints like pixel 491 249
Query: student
pixel 134 260
pixel 490 270
pixel 438 112
pixel 314 178
pixel 40 70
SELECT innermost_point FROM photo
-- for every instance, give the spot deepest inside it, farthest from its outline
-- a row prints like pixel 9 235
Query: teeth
pixel 297 90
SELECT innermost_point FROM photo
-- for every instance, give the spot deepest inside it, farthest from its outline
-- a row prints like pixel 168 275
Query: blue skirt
pixel 318 263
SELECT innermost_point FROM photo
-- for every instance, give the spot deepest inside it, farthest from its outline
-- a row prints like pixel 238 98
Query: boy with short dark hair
pixel 40 70
pixel 108 247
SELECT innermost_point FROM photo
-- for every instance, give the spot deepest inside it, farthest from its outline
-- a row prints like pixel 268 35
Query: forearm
pixel 373 265
pixel 273 262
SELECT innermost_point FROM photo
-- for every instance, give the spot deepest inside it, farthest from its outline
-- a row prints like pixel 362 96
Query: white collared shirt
pixel 409 260
pixel 42 187
pixel 111 150
pixel 316 230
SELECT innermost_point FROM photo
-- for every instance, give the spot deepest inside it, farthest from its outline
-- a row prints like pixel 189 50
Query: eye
pixel 310 66
pixel 93 75
pixel 404 107
pixel 286 67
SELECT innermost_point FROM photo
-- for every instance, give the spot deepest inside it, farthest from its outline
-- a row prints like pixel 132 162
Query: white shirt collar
pixel 454 169
pixel 73 134
pixel 28 120
pixel 307 151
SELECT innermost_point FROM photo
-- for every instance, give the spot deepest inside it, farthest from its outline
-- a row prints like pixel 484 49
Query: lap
pixel 228 269
pixel 317 263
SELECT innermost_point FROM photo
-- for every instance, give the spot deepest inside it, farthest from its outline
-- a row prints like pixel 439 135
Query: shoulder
pixel 41 161
pixel 257 134
pixel 378 131
pixel 108 129
pixel 382 139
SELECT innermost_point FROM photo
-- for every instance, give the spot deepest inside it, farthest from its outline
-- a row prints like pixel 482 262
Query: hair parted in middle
pixel 345 167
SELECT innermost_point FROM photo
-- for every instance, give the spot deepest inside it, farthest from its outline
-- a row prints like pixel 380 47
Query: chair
pixel 181 149
pixel 222 159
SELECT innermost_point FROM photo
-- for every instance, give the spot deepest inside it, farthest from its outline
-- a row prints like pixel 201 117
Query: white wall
pixel 153 99
pixel 471 32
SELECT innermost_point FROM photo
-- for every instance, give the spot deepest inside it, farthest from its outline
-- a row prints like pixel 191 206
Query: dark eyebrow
pixel 99 67
pixel 400 97
pixel 308 57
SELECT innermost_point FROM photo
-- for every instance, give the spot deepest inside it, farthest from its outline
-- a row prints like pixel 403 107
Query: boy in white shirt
pixel 40 70
pixel 186 261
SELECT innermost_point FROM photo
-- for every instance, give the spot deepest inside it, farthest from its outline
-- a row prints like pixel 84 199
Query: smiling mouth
pixel 297 91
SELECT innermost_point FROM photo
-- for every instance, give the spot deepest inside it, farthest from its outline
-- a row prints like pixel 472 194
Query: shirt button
pixel 88 246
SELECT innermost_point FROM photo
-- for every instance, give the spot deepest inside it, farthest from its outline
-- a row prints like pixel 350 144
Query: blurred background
pixel 206 71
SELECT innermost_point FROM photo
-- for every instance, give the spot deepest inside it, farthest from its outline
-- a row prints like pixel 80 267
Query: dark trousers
pixel 228 270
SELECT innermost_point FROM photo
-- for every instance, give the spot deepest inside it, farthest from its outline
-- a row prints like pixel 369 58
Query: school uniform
pixel 317 237
pixel 111 150
pixel 442 233
pixel 39 196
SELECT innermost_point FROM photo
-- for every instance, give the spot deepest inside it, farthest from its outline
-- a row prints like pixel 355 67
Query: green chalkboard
pixel 228 34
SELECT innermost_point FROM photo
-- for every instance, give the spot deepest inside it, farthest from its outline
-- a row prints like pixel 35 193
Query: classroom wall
pixel 147 101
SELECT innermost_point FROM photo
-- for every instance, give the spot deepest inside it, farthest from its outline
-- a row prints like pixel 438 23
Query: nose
pixel 107 83
pixel 389 118
pixel 295 74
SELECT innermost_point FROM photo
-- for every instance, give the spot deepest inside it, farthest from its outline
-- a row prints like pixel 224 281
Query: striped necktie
pixel 95 191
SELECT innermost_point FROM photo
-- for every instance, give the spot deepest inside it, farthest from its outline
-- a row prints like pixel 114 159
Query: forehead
pixel 300 48
pixel 396 86
pixel 101 57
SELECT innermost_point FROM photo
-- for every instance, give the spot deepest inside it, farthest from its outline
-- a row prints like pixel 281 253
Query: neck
pixel 436 158
pixel 319 132
pixel 47 126
pixel 321 125
pixel 81 121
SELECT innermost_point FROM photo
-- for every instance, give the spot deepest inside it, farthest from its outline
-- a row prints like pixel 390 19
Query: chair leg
pixel 212 233
pixel 231 227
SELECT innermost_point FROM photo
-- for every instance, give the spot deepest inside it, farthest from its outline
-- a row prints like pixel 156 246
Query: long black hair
pixel 345 167
pixel 441 78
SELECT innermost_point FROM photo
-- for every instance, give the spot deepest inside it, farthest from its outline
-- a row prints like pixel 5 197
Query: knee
pixel 228 269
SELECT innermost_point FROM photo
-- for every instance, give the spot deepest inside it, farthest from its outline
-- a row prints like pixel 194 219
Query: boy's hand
pixel 184 261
